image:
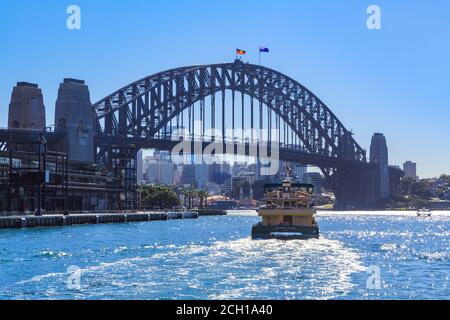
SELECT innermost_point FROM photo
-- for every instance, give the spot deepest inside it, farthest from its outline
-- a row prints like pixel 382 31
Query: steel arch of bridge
pixel 141 109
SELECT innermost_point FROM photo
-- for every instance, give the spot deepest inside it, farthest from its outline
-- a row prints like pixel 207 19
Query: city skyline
pixel 392 80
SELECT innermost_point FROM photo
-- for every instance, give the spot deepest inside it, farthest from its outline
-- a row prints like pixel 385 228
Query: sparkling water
pixel 370 255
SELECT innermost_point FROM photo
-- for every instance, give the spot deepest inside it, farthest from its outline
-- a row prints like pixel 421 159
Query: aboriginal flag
pixel 240 52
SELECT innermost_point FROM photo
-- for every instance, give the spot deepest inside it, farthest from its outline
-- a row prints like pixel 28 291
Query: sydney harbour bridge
pixel 238 96
pixel 215 103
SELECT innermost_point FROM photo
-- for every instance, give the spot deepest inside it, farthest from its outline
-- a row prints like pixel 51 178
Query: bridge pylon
pixel 353 187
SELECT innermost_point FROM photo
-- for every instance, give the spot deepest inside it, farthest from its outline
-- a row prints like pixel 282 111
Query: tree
pixel 421 190
pixel 190 195
pixel 154 197
pixel 203 195
pixel 406 184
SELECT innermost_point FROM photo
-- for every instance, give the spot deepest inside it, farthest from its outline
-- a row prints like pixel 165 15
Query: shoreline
pixel 368 213
pixel 59 220
pixel 378 213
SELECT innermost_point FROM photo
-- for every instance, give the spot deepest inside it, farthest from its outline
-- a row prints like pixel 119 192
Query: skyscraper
pixel 188 176
pixel 315 179
pixel 298 171
pixel 201 175
pixel 140 166
pixel 159 168
pixel 410 169
pixel 379 156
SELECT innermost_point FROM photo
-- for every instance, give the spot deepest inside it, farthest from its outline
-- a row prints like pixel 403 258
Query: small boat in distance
pixel 218 208
pixel 424 212
pixel 288 214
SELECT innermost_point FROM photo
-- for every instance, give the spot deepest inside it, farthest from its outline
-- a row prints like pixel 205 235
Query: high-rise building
pixel 225 168
pixel 410 169
pixel 202 175
pixel 315 179
pixel 178 174
pixel 256 169
pixel 248 177
pixel 238 167
pixel 227 186
pixel 188 176
pixel 159 169
pixel 218 173
pixel 379 156
pixel 298 171
pixel 160 173
pixel 140 166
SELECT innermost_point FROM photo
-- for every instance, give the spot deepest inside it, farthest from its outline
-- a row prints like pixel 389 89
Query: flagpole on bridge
pixel 262 50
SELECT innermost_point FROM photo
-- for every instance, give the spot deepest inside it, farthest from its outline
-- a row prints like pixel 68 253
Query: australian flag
pixel 263 49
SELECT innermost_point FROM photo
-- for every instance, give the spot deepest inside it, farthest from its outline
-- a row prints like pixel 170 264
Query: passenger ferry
pixel 288 214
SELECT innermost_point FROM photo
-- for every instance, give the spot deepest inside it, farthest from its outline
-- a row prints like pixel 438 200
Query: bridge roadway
pixel 288 154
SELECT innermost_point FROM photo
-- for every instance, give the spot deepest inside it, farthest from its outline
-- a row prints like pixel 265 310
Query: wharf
pixel 29 221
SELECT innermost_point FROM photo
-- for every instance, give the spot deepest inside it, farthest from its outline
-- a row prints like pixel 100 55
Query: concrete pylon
pixel 26 110
pixel 74 117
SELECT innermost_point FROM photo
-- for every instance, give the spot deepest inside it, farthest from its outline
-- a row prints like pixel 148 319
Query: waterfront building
pixel 65 179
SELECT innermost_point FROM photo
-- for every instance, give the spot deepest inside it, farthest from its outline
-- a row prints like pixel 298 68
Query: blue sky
pixel 395 80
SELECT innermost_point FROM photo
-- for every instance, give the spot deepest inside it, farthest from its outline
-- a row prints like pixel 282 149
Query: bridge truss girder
pixel 140 111
pixel 145 107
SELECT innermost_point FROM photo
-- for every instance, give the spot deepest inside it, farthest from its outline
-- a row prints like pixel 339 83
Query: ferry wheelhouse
pixel 288 214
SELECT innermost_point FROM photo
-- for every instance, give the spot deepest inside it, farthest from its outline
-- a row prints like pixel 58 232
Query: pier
pixel 20 222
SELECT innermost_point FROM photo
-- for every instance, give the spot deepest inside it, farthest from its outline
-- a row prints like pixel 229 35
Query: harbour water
pixel 370 255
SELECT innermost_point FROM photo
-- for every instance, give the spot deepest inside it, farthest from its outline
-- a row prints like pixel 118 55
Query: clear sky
pixel 395 80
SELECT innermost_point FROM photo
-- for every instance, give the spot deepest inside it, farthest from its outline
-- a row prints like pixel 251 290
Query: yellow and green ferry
pixel 288 214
